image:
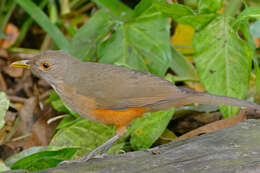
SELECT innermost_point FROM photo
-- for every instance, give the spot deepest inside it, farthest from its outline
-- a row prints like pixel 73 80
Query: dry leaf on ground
pixel 217 125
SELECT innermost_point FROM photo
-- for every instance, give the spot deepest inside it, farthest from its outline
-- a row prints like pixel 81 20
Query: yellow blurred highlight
pixel 182 38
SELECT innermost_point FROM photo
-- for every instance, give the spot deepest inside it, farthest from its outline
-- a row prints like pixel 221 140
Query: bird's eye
pixel 45 65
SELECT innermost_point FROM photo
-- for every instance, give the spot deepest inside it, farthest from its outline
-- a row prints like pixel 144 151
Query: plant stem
pixel 25 27
pixel 6 17
pixel 232 7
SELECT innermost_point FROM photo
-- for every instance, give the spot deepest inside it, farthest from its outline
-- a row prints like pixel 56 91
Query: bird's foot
pixel 84 159
pixel 103 148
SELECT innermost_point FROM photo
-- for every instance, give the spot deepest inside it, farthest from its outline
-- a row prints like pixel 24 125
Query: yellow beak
pixel 21 64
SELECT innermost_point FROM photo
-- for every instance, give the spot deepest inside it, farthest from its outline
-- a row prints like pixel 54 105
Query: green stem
pixel 76 3
pixel 183 78
pixel 23 50
pixel 27 24
pixel 2 6
pixel 232 7
pixel 65 7
pixel 5 19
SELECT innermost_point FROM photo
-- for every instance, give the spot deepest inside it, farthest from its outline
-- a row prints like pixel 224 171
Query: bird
pixel 114 95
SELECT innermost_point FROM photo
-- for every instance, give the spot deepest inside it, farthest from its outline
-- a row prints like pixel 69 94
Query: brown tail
pixel 192 97
pixel 204 98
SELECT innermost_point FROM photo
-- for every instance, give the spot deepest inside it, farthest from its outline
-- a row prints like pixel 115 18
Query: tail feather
pixel 193 97
pixel 203 98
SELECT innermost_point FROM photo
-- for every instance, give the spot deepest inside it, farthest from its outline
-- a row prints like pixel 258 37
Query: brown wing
pixel 119 88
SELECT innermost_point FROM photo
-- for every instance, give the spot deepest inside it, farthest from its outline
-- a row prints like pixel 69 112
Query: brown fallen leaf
pixel 3 86
pixel 42 131
pixel 187 121
pixel 25 83
pixel 25 124
pixel 195 86
pixel 13 72
pixel 3 53
pixel 217 125
pixel 7 131
pixel 5 152
pixel 17 99
pixel 26 116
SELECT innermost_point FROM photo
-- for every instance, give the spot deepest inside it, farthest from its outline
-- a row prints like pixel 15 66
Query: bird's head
pixel 49 65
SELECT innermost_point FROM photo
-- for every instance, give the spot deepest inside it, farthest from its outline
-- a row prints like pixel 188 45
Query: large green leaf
pixel 142 43
pixel 85 41
pixel 4 105
pixel 209 6
pixel 86 135
pixel 184 15
pixel 41 18
pixel 145 131
pixel 223 61
pixel 44 159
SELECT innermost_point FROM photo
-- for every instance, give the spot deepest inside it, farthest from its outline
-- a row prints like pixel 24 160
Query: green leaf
pixel 184 15
pixel 181 66
pixel 11 160
pixel 44 159
pixel 250 12
pixel 85 134
pixel 142 43
pixel 198 21
pixel 166 137
pixel 174 10
pixel 41 18
pixel 251 43
pixel 3 167
pixel 210 6
pixel 255 29
pixel 59 105
pixel 145 131
pixel 169 77
pixel 4 105
pixel 90 35
pixel 116 7
pixel 142 7
pixel 223 61
pixel 66 121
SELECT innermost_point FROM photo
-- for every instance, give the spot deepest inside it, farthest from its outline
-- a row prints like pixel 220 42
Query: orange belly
pixel 119 118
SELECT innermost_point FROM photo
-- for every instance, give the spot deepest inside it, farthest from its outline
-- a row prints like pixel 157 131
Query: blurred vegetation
pixel 199 43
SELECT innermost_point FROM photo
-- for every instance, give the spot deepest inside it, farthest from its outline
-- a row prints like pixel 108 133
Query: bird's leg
pixel 120 131
pixel 90 155
pixel 105 147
